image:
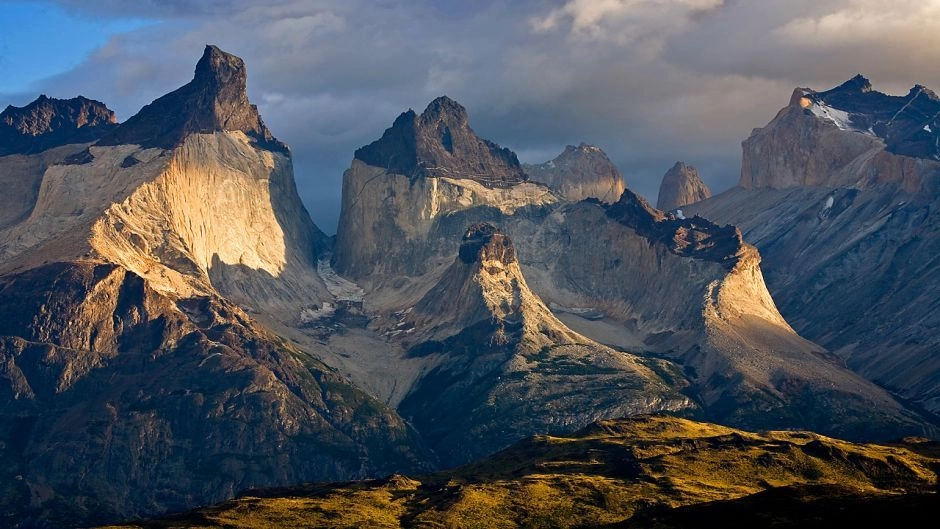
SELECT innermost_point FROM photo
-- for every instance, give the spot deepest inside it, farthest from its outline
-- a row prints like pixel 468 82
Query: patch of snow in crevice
pixel 312 314
pixel 680 215
pixel 927 128
pixel 342 289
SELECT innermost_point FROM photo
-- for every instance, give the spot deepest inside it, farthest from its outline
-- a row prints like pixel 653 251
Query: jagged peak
pixel 48 122
pixel 694 237
pixel 443 108
pixel 440 143
pixel 485 242
pixel 215 100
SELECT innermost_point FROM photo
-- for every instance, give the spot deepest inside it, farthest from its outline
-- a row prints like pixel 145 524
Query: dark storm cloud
pixel 650 81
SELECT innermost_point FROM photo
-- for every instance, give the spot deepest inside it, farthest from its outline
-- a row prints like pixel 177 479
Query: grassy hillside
pixel 604 475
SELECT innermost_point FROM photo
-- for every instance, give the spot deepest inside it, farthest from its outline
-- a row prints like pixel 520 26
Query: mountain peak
pixel 215 100
pixel 220 68
pixel 444 107
pixel 440 144
pixel 484 242
pixel 48 122
pixel 580 172
pixel 681 186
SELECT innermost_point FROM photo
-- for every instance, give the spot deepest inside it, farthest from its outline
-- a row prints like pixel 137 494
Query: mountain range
pixel 174 329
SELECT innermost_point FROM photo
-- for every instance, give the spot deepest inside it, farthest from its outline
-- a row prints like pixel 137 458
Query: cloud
pixel 650 81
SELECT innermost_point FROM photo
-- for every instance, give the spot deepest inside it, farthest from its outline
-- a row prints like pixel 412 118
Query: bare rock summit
pixel 681 186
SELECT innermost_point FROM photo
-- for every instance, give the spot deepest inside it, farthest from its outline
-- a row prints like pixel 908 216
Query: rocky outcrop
pixel 625 274
pixel 681 185
pixel 48 122
pixel 841 203
pixel 135 376
pixel 848 136
pixel 579 173
pixel 214 101
pixel 118 401
pixel 509 365
pixel 440 143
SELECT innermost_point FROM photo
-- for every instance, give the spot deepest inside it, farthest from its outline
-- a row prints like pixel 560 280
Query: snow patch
pixel 680 215
pixel 342 289
pixel 841 118
pixel 927 128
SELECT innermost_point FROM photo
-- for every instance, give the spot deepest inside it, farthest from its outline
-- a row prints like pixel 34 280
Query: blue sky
pixel 39 40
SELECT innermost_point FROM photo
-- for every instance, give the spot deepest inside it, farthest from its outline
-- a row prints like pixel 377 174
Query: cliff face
pixel 623 274
pixel 579 173
pixel 839 193
pixel 505 367
pixel 47 122
pixel 681 185
pixel 135 377
pixel 847 136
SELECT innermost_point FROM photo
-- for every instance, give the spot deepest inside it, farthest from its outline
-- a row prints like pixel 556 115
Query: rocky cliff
pixel 580 172
pixel 681 185
pixel 48 122
pixel 848 136
pixel 625 275
pixel 509 365
pixel 845 219
pixel 136 376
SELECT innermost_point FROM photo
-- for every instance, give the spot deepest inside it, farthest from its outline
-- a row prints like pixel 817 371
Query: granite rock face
pixel 440 143
pixel 136 377
pixel 579 173
pixel 214 101
pixel 681 185
pixel 505 367
pixel 840 193
pixel 848 136
pixel 683 289
pixel 48 122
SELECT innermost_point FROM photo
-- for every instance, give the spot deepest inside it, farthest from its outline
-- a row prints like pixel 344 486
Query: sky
pixel 649 81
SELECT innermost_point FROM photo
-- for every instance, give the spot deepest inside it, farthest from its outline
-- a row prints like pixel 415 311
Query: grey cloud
pixel 667 81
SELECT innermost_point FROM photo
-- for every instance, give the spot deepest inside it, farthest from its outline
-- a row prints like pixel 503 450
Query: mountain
pixel 48 122
pixel 138 377
pixel 580 172
pixel 508 364
pixel 843 206
pixel 684 291
pixel 440 142
pixel 681 185
pixel 636 472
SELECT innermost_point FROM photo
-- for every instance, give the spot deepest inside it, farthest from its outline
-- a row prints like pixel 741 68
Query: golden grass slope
pixel 601 475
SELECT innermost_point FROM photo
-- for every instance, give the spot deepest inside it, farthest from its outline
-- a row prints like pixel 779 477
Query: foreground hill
pixel 646 467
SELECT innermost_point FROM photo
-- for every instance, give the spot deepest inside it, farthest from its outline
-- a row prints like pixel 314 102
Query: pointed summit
pixel 440 144
pixel 579 173
pixel 215 100
pixel 48 122
pixel 681 186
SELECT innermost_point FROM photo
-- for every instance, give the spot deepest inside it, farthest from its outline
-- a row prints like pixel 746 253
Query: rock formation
pixel 136 378
pixel 508 364
pixel 624 274
pixel 47 122
pixel 580 172
pixel 440 143
pixel 681 185
pixel 214 101
pixel 840 194
pixel 848 136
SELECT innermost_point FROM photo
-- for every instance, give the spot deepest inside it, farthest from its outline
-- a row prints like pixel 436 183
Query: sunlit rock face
pixel 136 378
pixel 579 173
pixel 840 193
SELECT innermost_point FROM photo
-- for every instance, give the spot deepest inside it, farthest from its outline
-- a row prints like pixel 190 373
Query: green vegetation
pixel 602 475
